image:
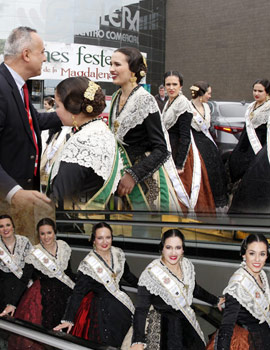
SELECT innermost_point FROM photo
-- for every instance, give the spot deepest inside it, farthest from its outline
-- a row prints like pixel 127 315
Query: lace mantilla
pixel 246 291
pixel 178 294
pixel 119 264
pixel 93 147
pixel 139 105
pixel 260 115
pixel 61 260
pixel 172 112
pixel 21 250
pixel 148 280
pixel 201 123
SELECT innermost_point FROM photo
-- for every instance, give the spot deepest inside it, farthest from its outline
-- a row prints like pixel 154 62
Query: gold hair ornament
pixel 195 88
pixel 91 91
pixel 89 109
pixel 144 61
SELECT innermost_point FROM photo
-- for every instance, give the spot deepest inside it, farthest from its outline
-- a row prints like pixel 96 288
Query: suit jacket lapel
pixel 19 101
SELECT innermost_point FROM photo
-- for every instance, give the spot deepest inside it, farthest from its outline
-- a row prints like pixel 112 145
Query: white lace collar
pixel 153 286
pixel 172 112
pixel 137 108
pixel 198 121
pixel 243 287
pixel 61 259
pixel 260 115
pixel 118 260
pixel 21 250
pixel 93 147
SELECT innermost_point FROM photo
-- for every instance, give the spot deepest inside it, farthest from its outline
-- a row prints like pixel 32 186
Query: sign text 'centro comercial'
pixel 120 24
pixel 76 60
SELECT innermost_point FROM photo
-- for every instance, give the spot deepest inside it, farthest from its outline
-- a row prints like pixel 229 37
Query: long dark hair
pixel 96 227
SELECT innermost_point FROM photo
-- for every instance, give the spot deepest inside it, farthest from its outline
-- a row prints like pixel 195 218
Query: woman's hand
pixel 64 325
pixel 126 185
pixel 10 309
pixel 179 171
pixel 220 303
pixel 137 347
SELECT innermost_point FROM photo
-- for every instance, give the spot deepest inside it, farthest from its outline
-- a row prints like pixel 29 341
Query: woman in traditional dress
pixel 13 251
pixel 254 135
pixel 200 124
pixel 168 284
pixel 48 265
pixel 88 170
pixel 177 117
pixel 135 121
pixel 246 319
pixel 104 316
pixel 253 193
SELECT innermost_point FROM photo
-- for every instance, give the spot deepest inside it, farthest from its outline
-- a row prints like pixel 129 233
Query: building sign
pixel 120 24
pixel 76 60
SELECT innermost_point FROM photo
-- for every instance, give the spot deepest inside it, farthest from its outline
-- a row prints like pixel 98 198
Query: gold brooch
pixel 116 125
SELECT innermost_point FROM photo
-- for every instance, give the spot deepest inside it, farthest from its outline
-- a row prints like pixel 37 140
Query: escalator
pixel 42 339
pixel 50 340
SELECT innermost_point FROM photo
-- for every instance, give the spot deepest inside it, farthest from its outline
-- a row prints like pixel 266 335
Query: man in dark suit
pixel 20 144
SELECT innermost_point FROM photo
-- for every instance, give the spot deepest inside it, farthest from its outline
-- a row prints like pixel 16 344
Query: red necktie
pixel 26 100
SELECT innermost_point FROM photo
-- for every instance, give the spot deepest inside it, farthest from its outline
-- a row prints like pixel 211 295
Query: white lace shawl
pixel 243 295
pixel 61 259
pixel 260 115
pixel 139 105
pixel 21 250
pixel 118 260
pixel 207 118
pixel 94 146
pixel 148 280
pixel 171 113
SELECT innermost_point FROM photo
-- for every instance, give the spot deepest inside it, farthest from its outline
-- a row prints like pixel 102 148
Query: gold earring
pixel 133 79
pixel 142 73
pixel 74 123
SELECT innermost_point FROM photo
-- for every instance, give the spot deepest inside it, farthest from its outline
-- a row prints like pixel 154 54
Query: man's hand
pixel 29 198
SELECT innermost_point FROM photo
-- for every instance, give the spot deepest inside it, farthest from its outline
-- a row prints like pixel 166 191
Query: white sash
pixel 8 261
pixel 252 136
pixel 178 294
pixel 189 201
pixel 52 267
pixel 203 126
pixel 252 297
pixel 106 278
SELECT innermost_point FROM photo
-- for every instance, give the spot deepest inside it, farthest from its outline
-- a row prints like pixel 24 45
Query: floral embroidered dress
pixel 138 130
